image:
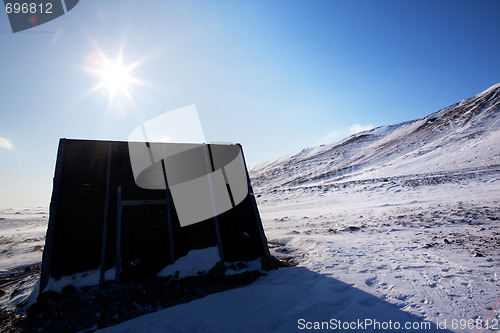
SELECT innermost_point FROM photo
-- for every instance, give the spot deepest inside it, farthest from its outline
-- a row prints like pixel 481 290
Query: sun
pixel 114 76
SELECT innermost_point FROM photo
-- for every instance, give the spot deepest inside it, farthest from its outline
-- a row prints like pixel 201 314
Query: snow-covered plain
pixel 426 256
pixel 22 237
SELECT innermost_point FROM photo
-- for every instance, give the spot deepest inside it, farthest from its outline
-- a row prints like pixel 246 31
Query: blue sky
pixel 276 76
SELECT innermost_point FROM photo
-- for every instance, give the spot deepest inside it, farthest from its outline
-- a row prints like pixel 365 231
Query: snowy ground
pixel 372 256
pixel 426 254
pixel 431 250
pixel 22 237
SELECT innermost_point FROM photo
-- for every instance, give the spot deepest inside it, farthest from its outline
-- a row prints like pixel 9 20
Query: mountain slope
pixel 463 136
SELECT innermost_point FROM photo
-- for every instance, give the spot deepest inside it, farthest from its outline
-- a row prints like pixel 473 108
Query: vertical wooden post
pixel 118 236
pixel 105 223
pixel 169 213
pixel 210 168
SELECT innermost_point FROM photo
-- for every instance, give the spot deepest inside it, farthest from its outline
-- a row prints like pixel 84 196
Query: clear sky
pixel 276 76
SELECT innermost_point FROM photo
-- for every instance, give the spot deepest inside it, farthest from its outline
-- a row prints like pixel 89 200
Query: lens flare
pixel 114 75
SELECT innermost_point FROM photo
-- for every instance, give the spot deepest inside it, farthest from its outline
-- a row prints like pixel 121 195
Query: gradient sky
pixel 276 76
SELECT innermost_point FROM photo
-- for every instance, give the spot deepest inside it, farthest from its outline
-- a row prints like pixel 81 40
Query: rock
pixel 269 263
pixel 218 270
pixel 48 296
pixel 69 290
pixel 15 292
pixel 86 288
pixel 242 265
pixel 35 310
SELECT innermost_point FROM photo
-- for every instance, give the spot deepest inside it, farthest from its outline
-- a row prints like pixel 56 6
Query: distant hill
pixel 464 137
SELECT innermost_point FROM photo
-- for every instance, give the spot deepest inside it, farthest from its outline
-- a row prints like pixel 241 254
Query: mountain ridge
pixel 462 136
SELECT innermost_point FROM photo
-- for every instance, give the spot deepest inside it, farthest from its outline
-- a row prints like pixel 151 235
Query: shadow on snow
pixel 289 300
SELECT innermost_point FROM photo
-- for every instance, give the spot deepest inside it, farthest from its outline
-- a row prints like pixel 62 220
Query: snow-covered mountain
pixel 461 137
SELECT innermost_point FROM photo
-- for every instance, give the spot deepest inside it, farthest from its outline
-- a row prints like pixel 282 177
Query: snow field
pixel 22 237
pixel 375 256
pixel 430 250
pixel 405 250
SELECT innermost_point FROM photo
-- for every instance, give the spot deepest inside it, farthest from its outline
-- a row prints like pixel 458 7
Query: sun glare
pixel 115 77
pixel 113 74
